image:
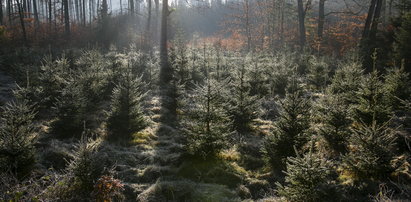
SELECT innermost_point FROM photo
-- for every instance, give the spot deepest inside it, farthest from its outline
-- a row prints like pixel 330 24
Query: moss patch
pixel 212 171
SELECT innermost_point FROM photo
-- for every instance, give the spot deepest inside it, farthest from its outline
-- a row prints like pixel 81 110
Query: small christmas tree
pixel 205 122
pixel 333 122
pixel 318 73
pixel 346 81
pixel 71 111
pixel 243 107
pixel 126 116
pixel 370 100
pixel 397 87
pixel 307 179
pixel 290 128
pixel 17 136
pixel 371 151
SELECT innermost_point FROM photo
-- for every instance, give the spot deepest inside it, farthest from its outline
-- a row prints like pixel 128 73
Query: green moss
pixel 211 171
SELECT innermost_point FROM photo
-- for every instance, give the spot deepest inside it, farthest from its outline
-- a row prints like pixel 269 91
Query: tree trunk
pixel 104 16
pixel 165 73
pixel 301 23
pixel 376 20
pixel 36 14
pixel 155 27
pixel 1 12
pixel 23 27
pixel 84 12
pixel 66 18
pixel 282 7
pixel 369 19
pixel 50 16
pixel 148 26
pixel 9 11
pixel 131 10
pixel 321 19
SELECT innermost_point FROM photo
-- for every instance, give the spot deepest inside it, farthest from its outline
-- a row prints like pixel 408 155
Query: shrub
pixel 17 136
pixel 108 188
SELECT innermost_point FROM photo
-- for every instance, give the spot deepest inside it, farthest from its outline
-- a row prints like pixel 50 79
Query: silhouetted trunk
pixel 66 18
pixel 155 28
pixel 148 26
pixel 104 18
pixel 9 11
pixel 23 27
pixel 131 2
pixel 77 10
pixel 50 11
pixel 282 6
pixel 376 20
pixel 321 19
pixel 369 19
pixel 36 14
pixel 1 12
pixel 84 12
pixel 165 73
pixel 301 23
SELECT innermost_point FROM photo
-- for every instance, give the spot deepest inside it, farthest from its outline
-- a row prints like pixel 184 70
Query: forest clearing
pixel 205 100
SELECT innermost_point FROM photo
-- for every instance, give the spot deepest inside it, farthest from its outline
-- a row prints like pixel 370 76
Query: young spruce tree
pixel 243 107
pixel 126 115
pixel 290 129
pixel 308 178
pixel 333 123
pixel 206 124
pixel 371 151
pixel 17 136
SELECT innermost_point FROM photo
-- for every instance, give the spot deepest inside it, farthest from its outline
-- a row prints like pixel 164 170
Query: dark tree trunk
pixel 66 18
pixel 77 10
pixel 165 73
pixel 84 12
pixel 148 26
pixel 155 27
pixel 36 14
pixel 50 11
pixel 369 19
pixel 104 19
pixel 23 27
pixel 1 12
pixel 321 19
pixel 131 2
pixel 301 23
pixel 376 20
pixel 9 11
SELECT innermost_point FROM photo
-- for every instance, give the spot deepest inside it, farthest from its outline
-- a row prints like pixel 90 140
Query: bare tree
pixel 23 27
pixel 165 73
pixel 1 12
pixel 66 18
pixel 301 20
